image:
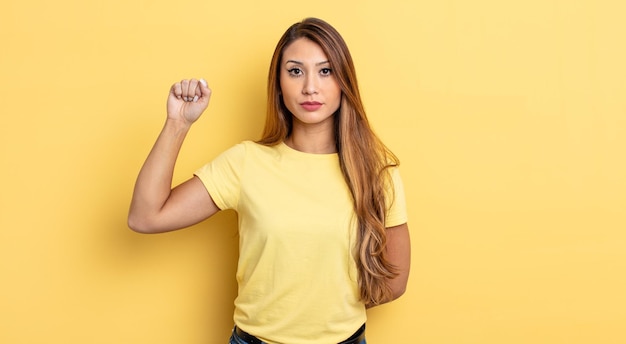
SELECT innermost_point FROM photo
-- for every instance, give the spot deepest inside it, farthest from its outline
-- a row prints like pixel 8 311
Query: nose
pixel 310 85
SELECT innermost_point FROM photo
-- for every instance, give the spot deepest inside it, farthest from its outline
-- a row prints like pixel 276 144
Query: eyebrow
pixel 301 64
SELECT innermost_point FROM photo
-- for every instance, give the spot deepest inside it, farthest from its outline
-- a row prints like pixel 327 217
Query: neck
pixel 312 141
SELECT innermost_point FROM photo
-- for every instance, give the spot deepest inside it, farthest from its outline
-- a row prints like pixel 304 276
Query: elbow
pixel 397 287
pixel 395 291
pixel 136 225
pixel 139 225
pixel 398 291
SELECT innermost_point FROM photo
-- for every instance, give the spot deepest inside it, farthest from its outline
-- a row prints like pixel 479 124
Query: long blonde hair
pixel 364 159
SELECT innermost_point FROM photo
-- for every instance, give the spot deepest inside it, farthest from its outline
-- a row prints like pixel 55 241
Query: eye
pixel 326 71
pixel 295 71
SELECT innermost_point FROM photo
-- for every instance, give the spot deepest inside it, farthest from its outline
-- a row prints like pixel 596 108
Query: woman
pixel 322 219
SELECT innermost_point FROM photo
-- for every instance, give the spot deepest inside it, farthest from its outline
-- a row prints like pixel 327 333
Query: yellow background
pixel 509 118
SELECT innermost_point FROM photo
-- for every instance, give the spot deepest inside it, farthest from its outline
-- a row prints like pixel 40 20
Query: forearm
pixel 154 183
pixel 399 255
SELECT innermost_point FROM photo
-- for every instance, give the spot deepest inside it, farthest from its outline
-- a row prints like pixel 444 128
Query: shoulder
pixel 247 153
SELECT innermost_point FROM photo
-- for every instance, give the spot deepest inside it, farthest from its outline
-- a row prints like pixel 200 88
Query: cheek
pixel 286 88
pixel 337 94
pixel 335 89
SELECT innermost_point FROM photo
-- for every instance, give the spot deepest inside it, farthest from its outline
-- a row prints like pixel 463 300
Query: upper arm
pixel 399 254
pixel 188 203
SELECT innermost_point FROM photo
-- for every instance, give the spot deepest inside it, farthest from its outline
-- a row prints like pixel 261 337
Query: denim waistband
pixel 244 337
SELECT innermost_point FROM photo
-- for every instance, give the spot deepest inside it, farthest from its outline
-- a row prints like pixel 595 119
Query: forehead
pixel 304 50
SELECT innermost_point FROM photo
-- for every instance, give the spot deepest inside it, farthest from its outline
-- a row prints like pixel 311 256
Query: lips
pixel 311 105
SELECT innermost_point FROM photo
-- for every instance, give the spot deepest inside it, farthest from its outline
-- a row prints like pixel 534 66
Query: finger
pixel 185 89
pixel 177 90
pixel 194 90
pixel 198 93
pixel 191 91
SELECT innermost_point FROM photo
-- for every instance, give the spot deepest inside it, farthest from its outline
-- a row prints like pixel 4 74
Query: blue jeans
pixel 234 339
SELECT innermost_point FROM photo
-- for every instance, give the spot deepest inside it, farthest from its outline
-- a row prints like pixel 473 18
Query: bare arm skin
pixel 399 254
pixel 155 206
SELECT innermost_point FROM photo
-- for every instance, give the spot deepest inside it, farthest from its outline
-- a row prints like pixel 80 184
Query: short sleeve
pixel 396 212
pixel 222 177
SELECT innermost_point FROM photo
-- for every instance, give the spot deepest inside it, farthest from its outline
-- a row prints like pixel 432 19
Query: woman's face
pixel 309 88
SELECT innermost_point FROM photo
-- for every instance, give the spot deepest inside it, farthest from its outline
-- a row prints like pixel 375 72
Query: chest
pixel 306 200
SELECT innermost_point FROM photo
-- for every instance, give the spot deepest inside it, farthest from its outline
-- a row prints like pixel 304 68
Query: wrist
pixel 179 125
